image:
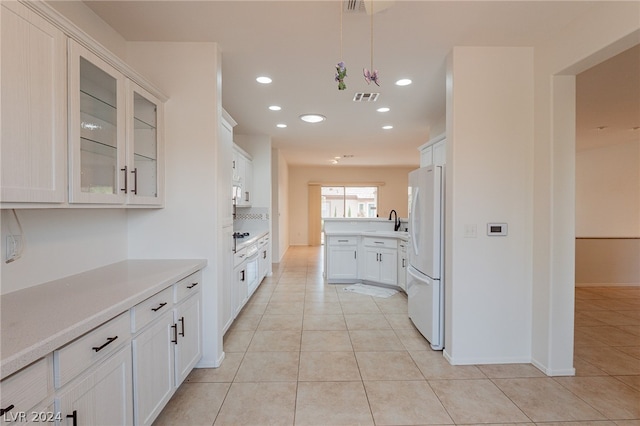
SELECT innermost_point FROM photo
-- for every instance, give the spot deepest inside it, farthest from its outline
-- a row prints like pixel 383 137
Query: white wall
pixel 188 225
pixel 608 191
pixel 605 31
pixel 280 212
pixel 391 195
pixel 78 13
pixel 62 242
pixel 488 179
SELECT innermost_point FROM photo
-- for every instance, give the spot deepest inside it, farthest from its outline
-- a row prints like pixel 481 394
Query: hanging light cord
pixel 341 12
pixel 372 35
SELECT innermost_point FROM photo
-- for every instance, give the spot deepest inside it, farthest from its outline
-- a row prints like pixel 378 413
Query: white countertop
pixel 247 241
pixel 40 319
pixel 380 234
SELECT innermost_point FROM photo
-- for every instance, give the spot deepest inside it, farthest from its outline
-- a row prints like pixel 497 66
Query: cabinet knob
pixel 192 285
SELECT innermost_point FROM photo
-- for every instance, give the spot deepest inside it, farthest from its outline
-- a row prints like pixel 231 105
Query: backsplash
pixel 251 219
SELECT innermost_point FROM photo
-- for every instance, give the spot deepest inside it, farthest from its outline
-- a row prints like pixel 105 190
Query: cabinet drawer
pixel 187 286
pixel 72 359
pixel 26 388
pixel 145 312
pixel 343 240
pixel 381 242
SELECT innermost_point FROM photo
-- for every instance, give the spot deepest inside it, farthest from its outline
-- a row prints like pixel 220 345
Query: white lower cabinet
pixel 240 290
pixel 102 396
pixel 165 351
pixel 264 248
pixel 153 369
pixel 342 258
pixel 187 336
pixel 21 392
pixel 381 260
pixel 402 265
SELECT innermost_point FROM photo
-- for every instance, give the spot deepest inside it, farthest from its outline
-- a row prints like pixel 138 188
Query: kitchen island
pixel 365 250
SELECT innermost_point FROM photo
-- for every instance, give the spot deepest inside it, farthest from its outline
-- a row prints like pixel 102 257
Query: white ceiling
pixel 298 43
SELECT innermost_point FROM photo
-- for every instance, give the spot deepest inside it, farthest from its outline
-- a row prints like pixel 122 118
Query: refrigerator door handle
pixel 414 228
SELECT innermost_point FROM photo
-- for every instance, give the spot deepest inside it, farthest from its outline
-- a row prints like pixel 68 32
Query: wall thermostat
pixel 496 229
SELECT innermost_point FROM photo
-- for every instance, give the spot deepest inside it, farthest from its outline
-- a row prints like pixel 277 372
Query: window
pixel 349 201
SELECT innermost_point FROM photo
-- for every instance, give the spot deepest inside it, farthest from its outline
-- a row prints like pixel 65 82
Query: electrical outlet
pixel 14 246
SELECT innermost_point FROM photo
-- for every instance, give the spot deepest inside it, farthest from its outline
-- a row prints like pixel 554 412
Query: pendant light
pixel 341 68
pixel 371 74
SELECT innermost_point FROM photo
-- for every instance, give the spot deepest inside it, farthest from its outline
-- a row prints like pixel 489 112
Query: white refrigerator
pixel 425 287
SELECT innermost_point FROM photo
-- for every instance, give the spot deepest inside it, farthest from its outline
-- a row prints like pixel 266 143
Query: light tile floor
pixel 306 353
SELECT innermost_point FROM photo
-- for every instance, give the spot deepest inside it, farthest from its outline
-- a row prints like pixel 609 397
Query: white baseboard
pixel 210 363
pixel 551 372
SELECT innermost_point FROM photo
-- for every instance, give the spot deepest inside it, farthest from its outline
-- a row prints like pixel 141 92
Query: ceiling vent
pixel 365 97
pixel 354 6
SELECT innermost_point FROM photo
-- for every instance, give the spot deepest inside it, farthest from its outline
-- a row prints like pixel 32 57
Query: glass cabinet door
pixel 96 129
pixel 145 147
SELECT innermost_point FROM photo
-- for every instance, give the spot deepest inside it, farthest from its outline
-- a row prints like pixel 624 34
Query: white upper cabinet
pixel 33 122
pixel 434 152
pixel 115 135
pixel 145 148
pixel 242 177
pixel 98 170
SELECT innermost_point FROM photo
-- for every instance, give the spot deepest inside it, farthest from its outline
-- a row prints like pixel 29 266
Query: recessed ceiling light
pixel 403 82
pixel 275 108
pixel 312 118
pixel 383 109
pixel 263 80
pixel 281 125
pixel 387 127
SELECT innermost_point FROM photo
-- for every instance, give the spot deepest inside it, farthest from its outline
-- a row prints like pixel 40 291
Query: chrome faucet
pixel 396 222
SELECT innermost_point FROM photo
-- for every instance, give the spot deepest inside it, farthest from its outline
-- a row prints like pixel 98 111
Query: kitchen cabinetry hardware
pixel 134 172
pixel 181 326
pixel 242 273
pixel 74 416
pixel 159 307
pixel 343 241
pixel 175 334
pixel 6 410
pixel 124 169
pixel 104 345
pixel 192 285
pixel 379 242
